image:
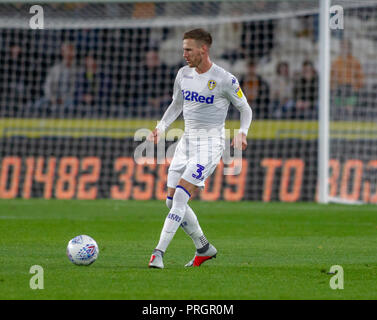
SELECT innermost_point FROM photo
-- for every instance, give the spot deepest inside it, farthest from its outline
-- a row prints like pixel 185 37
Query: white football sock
pixel 191 226
pixel 174 218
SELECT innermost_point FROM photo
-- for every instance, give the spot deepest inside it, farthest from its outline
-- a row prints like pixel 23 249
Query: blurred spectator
pixel 347 78
pixel 60 83
pixel 305 92
pixel 93 87
pixel 282 91
pixel 152 85
pixel 226 48
pixel 258 38
pixel 307 27
pixel 227 40
pixel 14 79
pixel 256 90
pixel 89 40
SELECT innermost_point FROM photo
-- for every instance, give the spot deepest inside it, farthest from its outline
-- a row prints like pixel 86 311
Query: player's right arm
pixel 171 113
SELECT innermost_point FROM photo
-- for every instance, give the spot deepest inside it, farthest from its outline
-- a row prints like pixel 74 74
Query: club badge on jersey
pixel 211 84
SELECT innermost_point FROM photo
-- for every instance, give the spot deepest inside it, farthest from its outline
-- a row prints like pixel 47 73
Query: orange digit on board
pixel 296 165
pixel 30 161
pixel 48 177
pixel 238 182
pixel 126 164
pixel 146 178
pixel 333 179
pixel 367 197
pixel 161 192
pixel 271 164
pixel 11 191
pixel 357 166
pixel 67 173
pixel 92 177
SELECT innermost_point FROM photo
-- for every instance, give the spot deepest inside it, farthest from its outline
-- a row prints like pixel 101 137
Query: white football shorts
pixel 195 159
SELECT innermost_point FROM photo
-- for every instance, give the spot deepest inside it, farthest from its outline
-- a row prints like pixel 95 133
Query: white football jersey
pixel 204 99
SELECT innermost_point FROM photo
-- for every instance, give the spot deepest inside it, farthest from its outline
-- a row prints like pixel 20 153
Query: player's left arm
pixel 238 99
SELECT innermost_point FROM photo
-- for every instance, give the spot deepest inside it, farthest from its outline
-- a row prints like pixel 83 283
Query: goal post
pixel 324 101
pixel 352 126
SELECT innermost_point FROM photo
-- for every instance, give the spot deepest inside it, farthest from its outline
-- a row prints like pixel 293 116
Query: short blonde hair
pixel 199 35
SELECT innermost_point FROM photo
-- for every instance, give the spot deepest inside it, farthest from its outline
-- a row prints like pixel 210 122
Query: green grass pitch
pixel 265 251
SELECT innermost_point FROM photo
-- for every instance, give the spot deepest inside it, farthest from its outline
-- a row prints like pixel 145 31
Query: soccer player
pixel 203 91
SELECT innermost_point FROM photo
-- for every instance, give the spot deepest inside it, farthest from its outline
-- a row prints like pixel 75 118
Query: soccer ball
pixel 82 250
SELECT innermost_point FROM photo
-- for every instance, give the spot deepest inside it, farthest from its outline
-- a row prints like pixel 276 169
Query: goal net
pixel 74 93
pixel 353 112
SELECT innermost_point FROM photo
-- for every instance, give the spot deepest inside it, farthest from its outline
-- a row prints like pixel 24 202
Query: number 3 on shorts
pixel 199 171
